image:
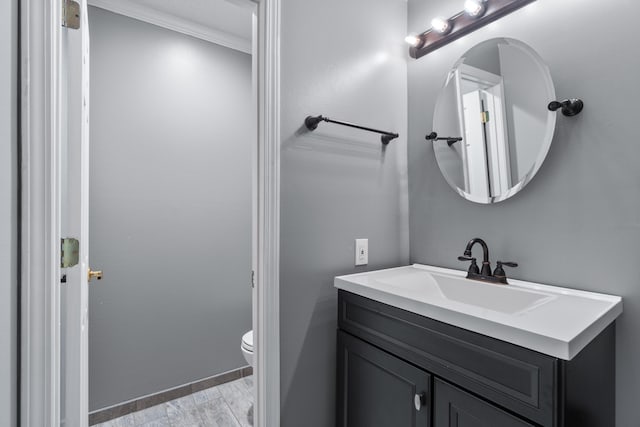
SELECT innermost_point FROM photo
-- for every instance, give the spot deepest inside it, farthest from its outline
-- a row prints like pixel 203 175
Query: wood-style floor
pixel 226 405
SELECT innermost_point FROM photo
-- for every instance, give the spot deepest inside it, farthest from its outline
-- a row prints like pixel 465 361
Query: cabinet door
pixel 376 389
pixel 456 408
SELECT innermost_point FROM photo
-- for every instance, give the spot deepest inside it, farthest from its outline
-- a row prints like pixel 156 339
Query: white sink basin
pixel 503 299
pixel 552 320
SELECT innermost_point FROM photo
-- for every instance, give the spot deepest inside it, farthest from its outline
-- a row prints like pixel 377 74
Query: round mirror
pixel 491 126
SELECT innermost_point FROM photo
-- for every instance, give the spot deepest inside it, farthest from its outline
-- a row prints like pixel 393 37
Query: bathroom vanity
pixel 423 346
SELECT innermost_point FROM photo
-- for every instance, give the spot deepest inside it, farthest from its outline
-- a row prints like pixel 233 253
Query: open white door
pixel 74 217
pixel 475 145
pixel 497 139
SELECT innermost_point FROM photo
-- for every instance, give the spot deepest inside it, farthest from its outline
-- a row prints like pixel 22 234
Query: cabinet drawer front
pixel 376 389
pixel 514 377
pixel 456 408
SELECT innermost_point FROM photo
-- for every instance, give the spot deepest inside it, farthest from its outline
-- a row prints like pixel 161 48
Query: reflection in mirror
pixel 495 98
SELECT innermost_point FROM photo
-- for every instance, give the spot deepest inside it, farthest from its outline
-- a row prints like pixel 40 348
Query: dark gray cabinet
pixel 379 390
pixel 456 408
pixel 387 356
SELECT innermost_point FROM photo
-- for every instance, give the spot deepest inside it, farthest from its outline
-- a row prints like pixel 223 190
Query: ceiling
pixel 230 17
pixel 221 15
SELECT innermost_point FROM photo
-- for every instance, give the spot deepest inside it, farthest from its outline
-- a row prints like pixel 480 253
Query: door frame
pixel 40 133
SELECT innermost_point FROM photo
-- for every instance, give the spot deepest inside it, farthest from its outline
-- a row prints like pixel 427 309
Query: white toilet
pixel 247 347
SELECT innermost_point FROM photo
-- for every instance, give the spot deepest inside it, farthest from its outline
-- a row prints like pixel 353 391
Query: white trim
pixel 40 239
pixel 258 379
pixel 267 344
pixel 74 294
pixel 180 25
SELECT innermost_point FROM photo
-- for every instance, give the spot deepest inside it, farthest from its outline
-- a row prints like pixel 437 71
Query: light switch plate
pixel 362 251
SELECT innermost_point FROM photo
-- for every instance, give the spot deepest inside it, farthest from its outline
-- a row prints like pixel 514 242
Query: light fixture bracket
pixel 463 24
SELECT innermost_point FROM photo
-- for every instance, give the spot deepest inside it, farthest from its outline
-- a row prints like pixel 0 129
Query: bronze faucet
pixel 498 275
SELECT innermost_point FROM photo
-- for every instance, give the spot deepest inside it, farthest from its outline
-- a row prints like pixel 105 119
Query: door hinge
pixel 69 252
pixel 70 14
pixel 484 117
pixel 253 279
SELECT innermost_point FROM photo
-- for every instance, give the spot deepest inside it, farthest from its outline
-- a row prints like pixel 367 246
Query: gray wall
pixel 8 209
pixel 526 119
pixel 170 208
pixel 486 57
pixel 577 223
pixel 345 60
pixel 448 123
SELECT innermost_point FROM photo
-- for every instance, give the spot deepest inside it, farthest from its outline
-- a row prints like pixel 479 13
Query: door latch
pixel 94 274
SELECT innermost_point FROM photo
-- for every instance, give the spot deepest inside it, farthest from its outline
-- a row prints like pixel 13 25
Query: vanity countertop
pixel 549 319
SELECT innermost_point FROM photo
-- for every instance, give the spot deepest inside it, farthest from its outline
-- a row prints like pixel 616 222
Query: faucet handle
pixel 473 268
pixel 507 263
pixel 499 271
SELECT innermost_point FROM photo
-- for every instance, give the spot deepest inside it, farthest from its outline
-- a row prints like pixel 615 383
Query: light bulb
pixel 441 25
pixel 474 8
pixel 413 40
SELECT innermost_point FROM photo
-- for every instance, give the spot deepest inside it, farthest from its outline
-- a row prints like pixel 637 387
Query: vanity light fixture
pixel 476 14
pixel 475 8
pixel 413 40
pixel 441 25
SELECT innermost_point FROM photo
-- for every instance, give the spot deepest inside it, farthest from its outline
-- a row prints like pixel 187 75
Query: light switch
pixel 362 251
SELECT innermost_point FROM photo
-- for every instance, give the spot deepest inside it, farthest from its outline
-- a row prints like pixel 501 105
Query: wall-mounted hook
pixel 570 107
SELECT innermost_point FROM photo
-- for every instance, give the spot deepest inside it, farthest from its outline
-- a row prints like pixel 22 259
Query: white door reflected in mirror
pixel 495 98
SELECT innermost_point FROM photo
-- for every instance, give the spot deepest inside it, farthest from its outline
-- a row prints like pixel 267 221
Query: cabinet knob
pixel 419 400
